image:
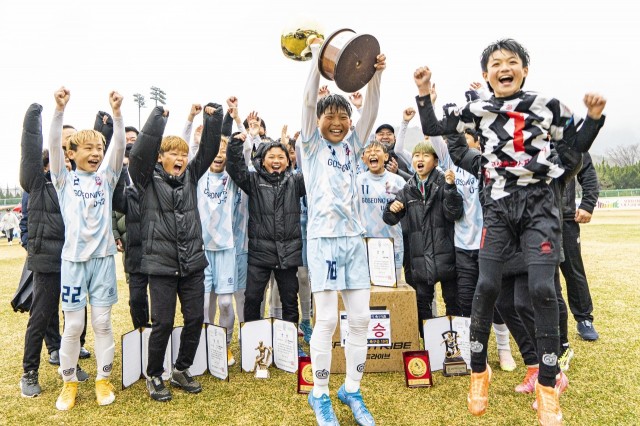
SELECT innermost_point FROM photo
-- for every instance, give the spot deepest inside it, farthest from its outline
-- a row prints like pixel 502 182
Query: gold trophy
pixel 261 366
pixel 453 364
pixel 345 57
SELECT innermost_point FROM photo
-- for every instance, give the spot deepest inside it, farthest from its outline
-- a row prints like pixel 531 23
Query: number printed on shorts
pixel 332 270
pixel 66 292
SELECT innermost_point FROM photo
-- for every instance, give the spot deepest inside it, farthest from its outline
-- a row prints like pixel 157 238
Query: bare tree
pixel 624 155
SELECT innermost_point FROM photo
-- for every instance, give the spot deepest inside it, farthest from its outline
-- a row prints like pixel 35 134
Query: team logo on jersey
pixel 545 247
pixel 346 149
pixel 76 180
pixel 107 368
pixel 360 368
pixel 69 372
pixel 112 291
pixel 98 180
pixel 224 180
pixel 322 374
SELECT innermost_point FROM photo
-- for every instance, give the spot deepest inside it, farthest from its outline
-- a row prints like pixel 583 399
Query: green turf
pixel 604 376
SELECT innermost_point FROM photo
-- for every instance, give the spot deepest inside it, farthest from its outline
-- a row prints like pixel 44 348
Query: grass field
pixel 604 376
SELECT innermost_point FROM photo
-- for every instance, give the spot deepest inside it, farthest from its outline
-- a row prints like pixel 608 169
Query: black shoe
pixel 157 390
pixel 185 381
pixel 587 331
pixel 54 358
pixel 84 353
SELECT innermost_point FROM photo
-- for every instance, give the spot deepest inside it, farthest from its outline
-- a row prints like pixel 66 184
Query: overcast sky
pixel 201 51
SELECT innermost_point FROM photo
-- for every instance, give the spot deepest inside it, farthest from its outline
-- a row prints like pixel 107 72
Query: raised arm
pixel 144 154
pixel 31 144
pixel 104 125
pixel 114 157
pixel 210 143
pixel 236 165
pixel 430 124
pixel 56 155
pixel 310 98
pixel 364 126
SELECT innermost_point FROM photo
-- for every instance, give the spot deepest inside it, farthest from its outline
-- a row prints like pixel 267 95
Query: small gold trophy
pixel 453 364
pixel 261 366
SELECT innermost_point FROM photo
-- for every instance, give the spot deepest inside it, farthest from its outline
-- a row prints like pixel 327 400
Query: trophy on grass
pixel 453 364
pixel 261 366
pixel 345 57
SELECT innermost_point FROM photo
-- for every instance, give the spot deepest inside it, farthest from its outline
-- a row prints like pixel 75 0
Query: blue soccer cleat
pixel 354 401
pixel 325 416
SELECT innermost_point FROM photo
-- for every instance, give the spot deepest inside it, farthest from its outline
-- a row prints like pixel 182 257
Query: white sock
pixel 239 297
pixel 70 344
pixel 227 316
pixel 502 337
pixel 320 346
pixel 105 346
pixel 356 303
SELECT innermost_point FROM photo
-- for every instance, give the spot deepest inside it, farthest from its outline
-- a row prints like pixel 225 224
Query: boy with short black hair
pixel 432 202
pixel 514 126
pixel 173 254
pixel 336 251
pixel 88 264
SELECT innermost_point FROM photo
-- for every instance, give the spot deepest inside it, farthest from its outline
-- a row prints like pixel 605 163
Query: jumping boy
pixel 173 253
pixel 518 203
pixel 88 263
pixel 336 251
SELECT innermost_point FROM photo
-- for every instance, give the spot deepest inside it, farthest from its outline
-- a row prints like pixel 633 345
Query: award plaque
pixel 382 263
pixel 348 59
pixel 453 364
pixel 417 369
pixel 305 375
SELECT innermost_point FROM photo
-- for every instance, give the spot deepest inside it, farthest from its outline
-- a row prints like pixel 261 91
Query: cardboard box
pixel 401 303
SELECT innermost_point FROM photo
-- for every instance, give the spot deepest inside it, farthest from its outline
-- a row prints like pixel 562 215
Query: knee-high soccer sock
pixel 304 293
pixel 206 307
pixel 502 337
pixel 545 307
pixel 239 297
pixel 484 300
pixel 70 344
pixel 101 322
pixel 356 303
pixel 210 307
pixel 227 317
pixel 326 303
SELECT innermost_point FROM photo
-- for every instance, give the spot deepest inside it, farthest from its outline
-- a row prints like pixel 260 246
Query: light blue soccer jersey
pixel 241 222
pixel 374 192
pixel 330 180
pixel 85 197
pixel 467 229
pixel 216 199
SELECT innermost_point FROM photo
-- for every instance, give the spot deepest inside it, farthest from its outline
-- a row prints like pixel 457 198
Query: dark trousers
pixel 543 299
pixel 425 293
pixel 138 300
pixel 43 319
pixel 257 279
pixel 163 290
pixel 9 233
pixel 573 271
pixel 516 317
pixel 467 271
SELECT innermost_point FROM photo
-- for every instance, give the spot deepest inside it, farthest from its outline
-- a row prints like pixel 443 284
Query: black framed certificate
pixel 382 265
